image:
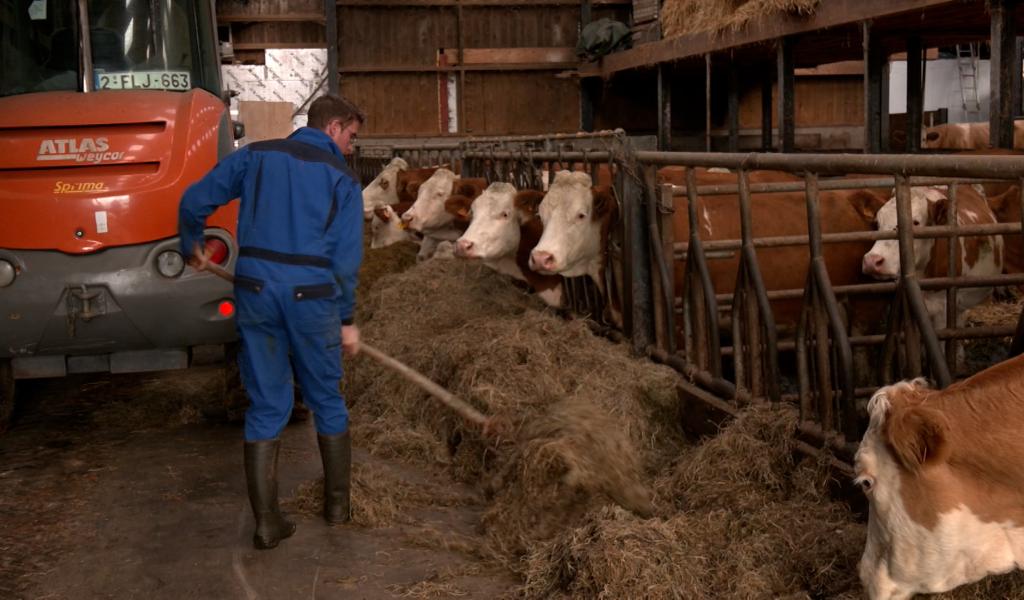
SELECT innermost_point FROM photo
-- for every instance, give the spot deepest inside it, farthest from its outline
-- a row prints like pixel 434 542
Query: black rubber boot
pixel 336 453
pixel 261 475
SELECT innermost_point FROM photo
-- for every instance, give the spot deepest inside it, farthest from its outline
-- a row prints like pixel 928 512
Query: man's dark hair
pixel 329 107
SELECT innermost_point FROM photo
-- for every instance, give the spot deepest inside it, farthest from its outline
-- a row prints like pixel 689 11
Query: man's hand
pixel 350 340
pixel 200 258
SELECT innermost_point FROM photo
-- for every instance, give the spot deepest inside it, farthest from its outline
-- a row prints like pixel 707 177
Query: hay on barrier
pixel 682 17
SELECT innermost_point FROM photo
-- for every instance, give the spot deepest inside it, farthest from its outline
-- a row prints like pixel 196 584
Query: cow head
pixel 927 207
pixel 497 215
pixel 904 452
pixel 931 137
pixel 576 218
pixel 386 228
pixel 428 212
pixel 384 187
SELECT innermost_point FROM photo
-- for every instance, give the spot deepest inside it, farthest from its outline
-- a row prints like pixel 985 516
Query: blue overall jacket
pixel 300 219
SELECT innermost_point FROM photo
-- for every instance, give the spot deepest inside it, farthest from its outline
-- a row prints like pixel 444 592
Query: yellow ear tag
pixel 403 225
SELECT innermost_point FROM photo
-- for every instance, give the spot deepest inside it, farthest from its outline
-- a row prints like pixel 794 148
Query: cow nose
pixel 463 247
pixel 407 217
pixel 872 263
pixel 542 260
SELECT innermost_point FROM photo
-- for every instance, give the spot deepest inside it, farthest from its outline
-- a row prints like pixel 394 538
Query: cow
pixel 966 136
pixel 503 229
pixel 395 184
pixel 943 472
pixel 428 216
pixel 573 242
pixel 386 226
pixel 979 255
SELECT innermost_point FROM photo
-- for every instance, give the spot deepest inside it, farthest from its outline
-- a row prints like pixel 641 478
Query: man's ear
pixel 458 206
pixel 527 202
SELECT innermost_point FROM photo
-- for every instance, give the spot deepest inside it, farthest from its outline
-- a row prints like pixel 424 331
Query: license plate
pixel 176 81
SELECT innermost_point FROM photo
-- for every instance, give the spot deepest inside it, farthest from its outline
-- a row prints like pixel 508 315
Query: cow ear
pixel 932 136
pixel 917 435
pixel 527 202
pixel 468 188
pixel 938 208
pixel 458 206
pixel 999 202
pixel 383 213
pixel 867 204
pixel 604 202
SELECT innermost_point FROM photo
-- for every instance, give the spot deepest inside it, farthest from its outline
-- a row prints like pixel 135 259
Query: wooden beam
pixel 588 89
pixel 511 56
pixel 873 62
pixel 734 106
pixel 355 69
pixel 836 69
pixel 828 14
pixel 474 3
pixel 282 18
pixel 331 36
pixel 1003 61
pixel 786 100
pixel 766 110
pixel 664 108
pixel 707 103
pixel 276 45
pixel 915 94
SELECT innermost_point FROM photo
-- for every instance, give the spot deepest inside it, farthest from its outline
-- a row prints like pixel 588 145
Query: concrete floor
pixel 117 487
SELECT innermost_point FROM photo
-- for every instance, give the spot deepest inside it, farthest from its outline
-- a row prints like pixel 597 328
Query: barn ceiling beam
pixel 476 3
pixel 829 14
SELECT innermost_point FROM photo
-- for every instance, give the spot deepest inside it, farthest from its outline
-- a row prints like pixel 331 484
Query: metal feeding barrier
pixel 728 342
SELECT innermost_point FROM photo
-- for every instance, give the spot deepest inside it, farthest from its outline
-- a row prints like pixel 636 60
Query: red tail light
pixel 217 249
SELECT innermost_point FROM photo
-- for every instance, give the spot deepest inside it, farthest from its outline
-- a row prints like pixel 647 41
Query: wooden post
pixel 461 94
pixel 787 106
pixel 707 102
pixel 734 107
pixel 915 93
pixel 664 108
pixel 587 91
pixel 766 111
pixel 331 37
pixel 1002 78
pixel 874 67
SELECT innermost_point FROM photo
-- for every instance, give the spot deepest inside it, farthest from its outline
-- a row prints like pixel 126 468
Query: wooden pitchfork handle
pixel 460 406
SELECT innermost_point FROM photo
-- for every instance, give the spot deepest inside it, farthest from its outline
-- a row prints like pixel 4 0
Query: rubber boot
pixel 336 453
pixel 261 476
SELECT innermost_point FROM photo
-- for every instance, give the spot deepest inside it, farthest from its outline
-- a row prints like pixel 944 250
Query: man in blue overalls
pixel 300 237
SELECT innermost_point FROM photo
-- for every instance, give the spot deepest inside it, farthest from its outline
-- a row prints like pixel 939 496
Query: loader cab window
pixel 135 44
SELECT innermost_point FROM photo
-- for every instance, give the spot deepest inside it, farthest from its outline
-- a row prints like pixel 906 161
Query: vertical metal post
pixel 331 33
pixel 707 102
pixel 734 107
pixel 766 111
pixel 915 93
pixel 664 109
pixel 1001 79
pixel 884 102
pixel 873 67
pixel 786 100
pixel 636 299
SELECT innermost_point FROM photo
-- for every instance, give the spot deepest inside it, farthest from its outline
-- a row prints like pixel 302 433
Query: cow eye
pixel 867 484
pixel 504 215
pixel 916 223
pixel 581 216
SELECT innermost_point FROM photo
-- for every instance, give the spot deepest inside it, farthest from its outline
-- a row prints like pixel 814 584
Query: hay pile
pixel 682 17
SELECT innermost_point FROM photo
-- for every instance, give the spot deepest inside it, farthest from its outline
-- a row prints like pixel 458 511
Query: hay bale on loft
pixel 682 17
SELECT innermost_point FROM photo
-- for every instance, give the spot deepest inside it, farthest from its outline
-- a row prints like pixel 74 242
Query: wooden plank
pixel 664 108
pixel 829 14
pixel 874 59
pixel 331 37
pixel 281 18
pixel 265 120
pixel 474 56
pixel 915 94
pixel 836 69
pixel 278 45
pixel 734 106
pixel 787 100
pixel 766 111
pixel 455 69
pixel 498 3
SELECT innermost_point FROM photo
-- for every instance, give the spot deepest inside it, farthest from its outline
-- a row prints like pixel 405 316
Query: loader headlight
pixel 7 273
pixel 170 263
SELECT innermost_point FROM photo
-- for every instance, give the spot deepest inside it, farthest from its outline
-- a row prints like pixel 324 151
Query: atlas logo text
pixel 88 150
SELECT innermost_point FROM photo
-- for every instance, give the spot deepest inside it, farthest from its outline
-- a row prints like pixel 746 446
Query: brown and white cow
pixel 386 226
pixel 966 136
pixel 574 245
pixel 979 255
pixel 503 229
pixel 395 184
pixel 428 216
pixel 943 471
